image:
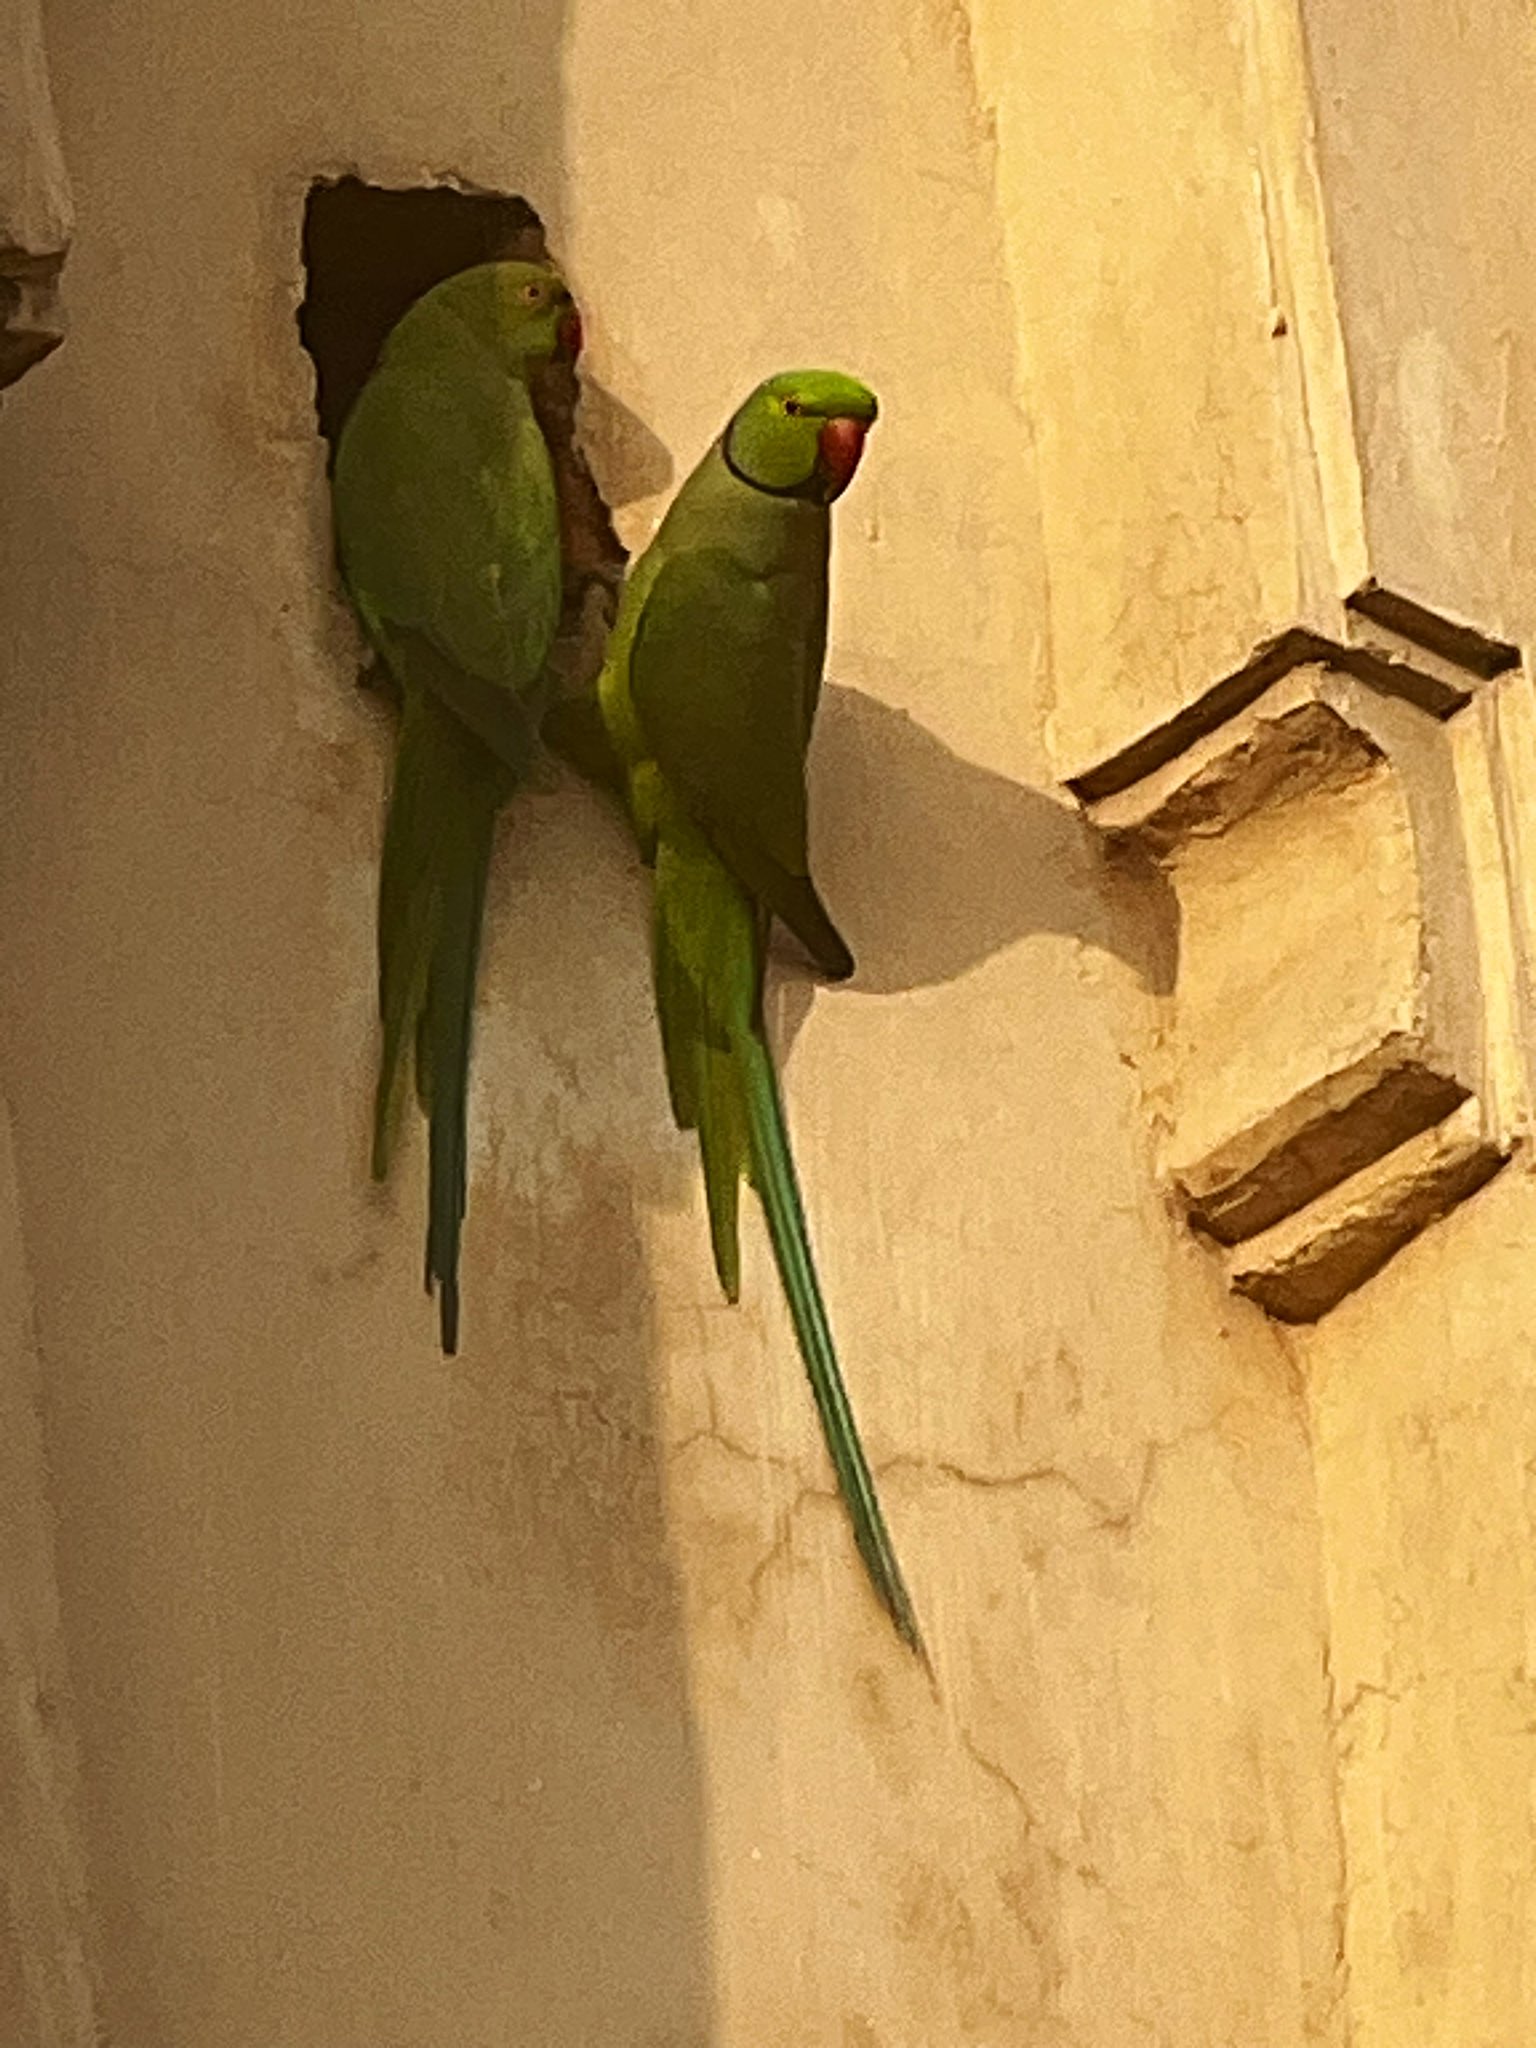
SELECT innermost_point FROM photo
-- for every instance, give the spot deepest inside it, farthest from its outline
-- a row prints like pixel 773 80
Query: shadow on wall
pixel 566 1753
pixel 933 864
pixel 569 1754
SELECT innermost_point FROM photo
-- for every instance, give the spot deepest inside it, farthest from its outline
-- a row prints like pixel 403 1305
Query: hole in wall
pixel 369 252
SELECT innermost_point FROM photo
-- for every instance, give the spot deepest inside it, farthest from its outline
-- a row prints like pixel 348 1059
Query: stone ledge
pixel 35 211
pixel 1423 680
pixel 1319 1138
pixel 31 320
pixel 1305 1265
pixel 1336 1071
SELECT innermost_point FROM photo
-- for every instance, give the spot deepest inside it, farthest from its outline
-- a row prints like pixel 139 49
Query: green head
pixel 801 434
pixel 522 312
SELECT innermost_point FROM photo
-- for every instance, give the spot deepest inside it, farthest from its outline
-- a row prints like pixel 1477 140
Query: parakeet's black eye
pixel 533 294
pixel 793 407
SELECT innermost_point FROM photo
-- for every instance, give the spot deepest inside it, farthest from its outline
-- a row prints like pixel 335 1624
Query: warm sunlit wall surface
pixel 536 1696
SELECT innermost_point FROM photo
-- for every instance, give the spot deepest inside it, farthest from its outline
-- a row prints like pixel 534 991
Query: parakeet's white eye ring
pixel 532 294
pixel 793 407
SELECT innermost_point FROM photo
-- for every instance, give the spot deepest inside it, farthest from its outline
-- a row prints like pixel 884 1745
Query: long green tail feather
pixel 705 1094
pixel 449 1021
pixel 709 950
pixel 407 895
pixel 725 1148
pixel 437 851
pixel 774 1176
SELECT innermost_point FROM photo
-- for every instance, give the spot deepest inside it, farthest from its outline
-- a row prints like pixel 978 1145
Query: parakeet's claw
pixel 377 678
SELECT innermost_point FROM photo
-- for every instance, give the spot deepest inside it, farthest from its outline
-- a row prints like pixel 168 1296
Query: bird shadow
pixel 932 864
pixel 628 461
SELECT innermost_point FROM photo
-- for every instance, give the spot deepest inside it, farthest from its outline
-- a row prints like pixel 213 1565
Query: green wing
pixel 449 546
pixel 717 675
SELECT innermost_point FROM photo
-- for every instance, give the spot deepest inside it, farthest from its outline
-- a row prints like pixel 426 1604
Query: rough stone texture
pixel 1321 1136
pixel 1307 1264
pixel 1296 747
pixel 1351 942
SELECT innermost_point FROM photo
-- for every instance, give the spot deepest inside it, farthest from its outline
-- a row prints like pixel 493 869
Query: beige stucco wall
pixel 45 1968
pixel 1424 1420
pixel 1180 347
pixel 1427 159
pixel 536 1696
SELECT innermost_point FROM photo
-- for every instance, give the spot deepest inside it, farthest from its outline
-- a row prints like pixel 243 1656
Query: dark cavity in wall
pixel 30 324
pixel 369 253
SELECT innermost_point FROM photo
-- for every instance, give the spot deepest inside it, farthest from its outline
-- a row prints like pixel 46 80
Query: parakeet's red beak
pixel 570 333
pixel 842 443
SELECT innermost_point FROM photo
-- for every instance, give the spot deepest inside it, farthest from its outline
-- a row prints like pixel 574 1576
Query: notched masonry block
pixel 1339 1068
pixel 35 212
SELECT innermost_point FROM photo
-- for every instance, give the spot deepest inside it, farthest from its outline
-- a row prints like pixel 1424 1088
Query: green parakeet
pixel 708 694
pixel 447 537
